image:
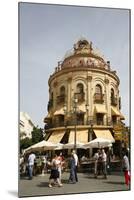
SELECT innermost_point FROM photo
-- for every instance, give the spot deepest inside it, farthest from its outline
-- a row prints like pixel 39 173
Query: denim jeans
pixel 104 168
pixel 72 175
pixel 30 171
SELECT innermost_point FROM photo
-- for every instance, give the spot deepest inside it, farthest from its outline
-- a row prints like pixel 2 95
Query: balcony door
pixel 99 119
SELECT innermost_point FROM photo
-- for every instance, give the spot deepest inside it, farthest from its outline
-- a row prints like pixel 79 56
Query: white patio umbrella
pixel 79 145
pixel 98 143
pixel 59 146
pixel 41 146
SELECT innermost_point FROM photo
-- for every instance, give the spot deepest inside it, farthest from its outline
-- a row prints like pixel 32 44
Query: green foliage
pixel 37 135
pixel 25 143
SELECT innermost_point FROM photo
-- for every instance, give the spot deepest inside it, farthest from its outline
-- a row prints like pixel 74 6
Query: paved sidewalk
pixel 87 183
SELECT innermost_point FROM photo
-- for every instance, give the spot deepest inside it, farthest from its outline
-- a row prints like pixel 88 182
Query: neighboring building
pixel 26 125
pixel 83 98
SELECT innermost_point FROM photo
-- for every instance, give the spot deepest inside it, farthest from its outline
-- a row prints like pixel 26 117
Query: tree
pixel 25 143
pixel 37 135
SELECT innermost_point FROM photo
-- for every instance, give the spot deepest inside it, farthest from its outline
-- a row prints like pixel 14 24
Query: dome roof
pixel 84 54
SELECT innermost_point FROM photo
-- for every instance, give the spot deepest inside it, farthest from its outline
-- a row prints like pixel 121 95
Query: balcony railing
pixel 100 122
pixel 61 99
pixel 98 98
pixel 114 101
pixel 93 123
pixel 80 96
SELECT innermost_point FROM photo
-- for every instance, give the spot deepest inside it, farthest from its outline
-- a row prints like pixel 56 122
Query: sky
pixel 47 32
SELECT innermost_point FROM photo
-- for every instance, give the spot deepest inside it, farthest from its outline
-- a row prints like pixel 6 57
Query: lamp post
pixel 75 127
pixel 65 111
pixel 87 109
pixel 75 101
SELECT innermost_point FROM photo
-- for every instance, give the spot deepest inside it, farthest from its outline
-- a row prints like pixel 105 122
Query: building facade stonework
pixel 83 95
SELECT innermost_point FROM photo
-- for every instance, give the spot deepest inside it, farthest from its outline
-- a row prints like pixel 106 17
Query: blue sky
pixel 47 32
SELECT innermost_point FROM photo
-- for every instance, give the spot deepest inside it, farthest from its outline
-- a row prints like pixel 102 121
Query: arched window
pixel 112 93
pixel 50 103
pixel 80 88
pixel 61 97
pixel 62 90
pixel 80 95
pixel 98 97
pixel 113 98
pixel 98 89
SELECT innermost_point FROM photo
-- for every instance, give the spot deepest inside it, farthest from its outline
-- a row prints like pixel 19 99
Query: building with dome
pixel 84 100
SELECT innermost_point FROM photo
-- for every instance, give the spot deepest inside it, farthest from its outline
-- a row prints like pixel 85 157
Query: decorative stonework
pixel 106 81
pixel 89 78
pixel 69 79
pixel 55 84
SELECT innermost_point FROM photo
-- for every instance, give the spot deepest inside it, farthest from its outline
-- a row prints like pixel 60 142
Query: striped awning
pixel 56 136
pixel 100 109
pixel 81 136
pixel 105 134
pixel 115 111
pixel 122 117
pixel 81 108
pixel 59 112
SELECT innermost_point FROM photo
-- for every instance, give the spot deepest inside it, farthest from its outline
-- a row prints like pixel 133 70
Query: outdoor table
pixel 87 166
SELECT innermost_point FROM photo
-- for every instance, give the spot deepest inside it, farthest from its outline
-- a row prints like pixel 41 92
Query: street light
pixel 75 128
pixel 75 113
pixel 87 109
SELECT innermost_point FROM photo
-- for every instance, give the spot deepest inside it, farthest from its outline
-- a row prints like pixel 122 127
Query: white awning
pixel 81 136
pixel 105 134
pixel 100 109
pixel 114 111
pixel 59 112
pixel 122 116
pixel 81 108
pixel 56 136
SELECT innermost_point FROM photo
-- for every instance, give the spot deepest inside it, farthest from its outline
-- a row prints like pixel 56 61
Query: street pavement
pixel 38 186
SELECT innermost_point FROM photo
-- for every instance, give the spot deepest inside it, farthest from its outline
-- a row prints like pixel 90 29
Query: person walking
pixel 96 157
pixel 31 160
pixel 72 177
pixel 54 176
pixel 126 168
pixel 104 163
pixel 60 164
pixel 76 164
pixel 44 163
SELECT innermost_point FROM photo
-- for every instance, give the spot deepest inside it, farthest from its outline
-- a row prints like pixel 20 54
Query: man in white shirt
pixel 31 159
pixel 76 164
pixel 104 163
pixel 96 157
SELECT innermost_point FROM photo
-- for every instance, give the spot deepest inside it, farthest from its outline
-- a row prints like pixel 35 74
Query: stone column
pixel 89 94
pixel 107 101
pixel 90 103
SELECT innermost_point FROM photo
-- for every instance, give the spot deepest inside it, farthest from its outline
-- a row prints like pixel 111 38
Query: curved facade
pixel 83 95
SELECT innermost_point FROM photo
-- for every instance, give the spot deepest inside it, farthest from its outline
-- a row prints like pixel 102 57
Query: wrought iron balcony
pixel 98 98
pixel 80 96
pixel 61 99
pixel 114 101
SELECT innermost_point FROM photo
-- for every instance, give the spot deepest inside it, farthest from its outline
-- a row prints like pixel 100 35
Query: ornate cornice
pixel 82 69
